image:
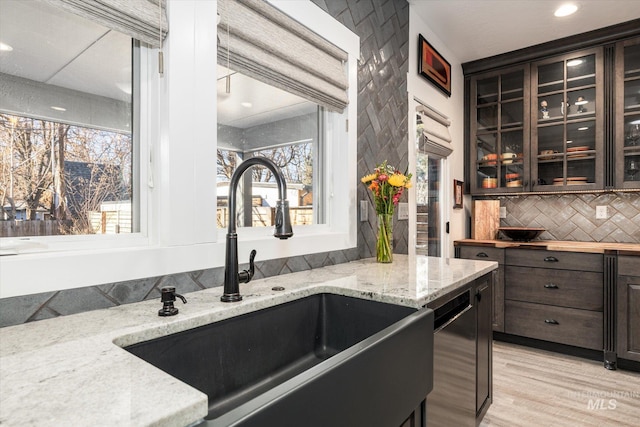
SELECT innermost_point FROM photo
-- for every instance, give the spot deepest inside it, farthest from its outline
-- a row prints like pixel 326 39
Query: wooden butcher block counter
pixel 632 249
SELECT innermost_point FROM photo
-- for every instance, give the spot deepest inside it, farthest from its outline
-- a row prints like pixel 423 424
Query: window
pixel 66 142
pixel 432 147
pixel 255 119
pixel 67 179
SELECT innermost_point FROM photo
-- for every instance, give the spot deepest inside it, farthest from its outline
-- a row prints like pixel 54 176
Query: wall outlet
pixel 403 210
pixel 364 211
pixel 503 212
pixel 601 212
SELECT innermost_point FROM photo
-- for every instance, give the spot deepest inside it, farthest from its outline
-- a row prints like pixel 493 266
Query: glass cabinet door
pixel 566 116
pixel 498 128
pixel 628 114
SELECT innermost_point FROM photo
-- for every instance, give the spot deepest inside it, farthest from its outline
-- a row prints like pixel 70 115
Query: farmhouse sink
pixel 320 360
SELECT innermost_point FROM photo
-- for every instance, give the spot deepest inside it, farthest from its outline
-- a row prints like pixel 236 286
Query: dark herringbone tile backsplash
pixel 46 305
pixel 383 28
pixel 573 216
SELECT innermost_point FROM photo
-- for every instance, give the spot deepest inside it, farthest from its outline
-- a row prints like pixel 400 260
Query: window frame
pixel 339 229
pixel 178 166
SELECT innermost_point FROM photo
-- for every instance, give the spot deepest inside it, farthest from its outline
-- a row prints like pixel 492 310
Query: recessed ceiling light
pixel 574 62
pixel 565 10
pixel 5 47
pixel 584 128
pixel 246 104
pixel 53 107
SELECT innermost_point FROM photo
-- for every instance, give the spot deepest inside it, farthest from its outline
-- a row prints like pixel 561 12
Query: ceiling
pixel 252 103
pixel 55 47
pixel 475 29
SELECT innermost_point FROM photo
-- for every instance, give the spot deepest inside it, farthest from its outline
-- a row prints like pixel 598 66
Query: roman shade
pixel 144 20
pixel 258 40
pixel 435 132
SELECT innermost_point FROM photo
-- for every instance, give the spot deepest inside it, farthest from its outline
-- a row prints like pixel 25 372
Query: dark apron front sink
pixel 321 360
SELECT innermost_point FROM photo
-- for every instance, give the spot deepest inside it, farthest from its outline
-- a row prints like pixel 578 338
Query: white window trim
pixel 181 227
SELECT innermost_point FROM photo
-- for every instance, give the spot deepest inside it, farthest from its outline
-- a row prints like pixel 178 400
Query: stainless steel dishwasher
pixel 452 402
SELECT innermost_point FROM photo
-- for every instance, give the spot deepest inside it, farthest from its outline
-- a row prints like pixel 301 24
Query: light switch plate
pixel 403 210
pixel 364 211
pixel 601 212
pixel 503 212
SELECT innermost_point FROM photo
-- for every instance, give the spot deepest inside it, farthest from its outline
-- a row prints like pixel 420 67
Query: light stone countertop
pixel 71 370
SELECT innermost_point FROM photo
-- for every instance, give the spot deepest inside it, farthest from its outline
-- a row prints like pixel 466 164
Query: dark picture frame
pixel 433 66
pixel 458 187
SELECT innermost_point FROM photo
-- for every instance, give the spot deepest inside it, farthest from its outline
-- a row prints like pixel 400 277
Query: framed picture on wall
pixel 457 194
pixel 433 67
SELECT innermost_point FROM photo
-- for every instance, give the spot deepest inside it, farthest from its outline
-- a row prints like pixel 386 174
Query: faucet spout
pixel 283 230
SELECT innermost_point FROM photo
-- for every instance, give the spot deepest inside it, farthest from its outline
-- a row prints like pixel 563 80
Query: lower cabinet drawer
pixel 558 260
pixel 564 288
pixel 483 253
pixel 629 266
pixel 580 328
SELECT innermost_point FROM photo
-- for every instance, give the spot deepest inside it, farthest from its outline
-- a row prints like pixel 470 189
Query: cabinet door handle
pixel 482 255
pixel 551 259
pixel 551 322
pixel 551 286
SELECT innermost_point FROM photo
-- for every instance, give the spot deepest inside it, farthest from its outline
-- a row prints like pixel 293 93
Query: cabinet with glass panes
pixel 567 122
pixel 627 140
pixel 500 131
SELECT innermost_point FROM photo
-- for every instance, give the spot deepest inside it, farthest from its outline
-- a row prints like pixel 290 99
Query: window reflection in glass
pixel 255 119
pixel 66 143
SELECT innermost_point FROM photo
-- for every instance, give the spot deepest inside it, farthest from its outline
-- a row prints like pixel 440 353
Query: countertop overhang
pixel 632 249
pixel 72 370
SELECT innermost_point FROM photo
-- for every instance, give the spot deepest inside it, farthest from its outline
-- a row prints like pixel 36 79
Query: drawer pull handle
pixel 551 259
pixel 482 255
pixel 551 322
pixel 551 286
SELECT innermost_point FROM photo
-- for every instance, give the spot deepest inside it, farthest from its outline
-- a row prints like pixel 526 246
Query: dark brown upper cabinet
pixel 627 107
pixel 562 116
pixel 500 129
pixel 567 122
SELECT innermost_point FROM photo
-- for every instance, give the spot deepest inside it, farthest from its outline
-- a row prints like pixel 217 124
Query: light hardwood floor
pixel 538 388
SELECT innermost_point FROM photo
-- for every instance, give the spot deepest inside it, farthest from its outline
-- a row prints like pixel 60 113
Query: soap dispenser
pixel 168 296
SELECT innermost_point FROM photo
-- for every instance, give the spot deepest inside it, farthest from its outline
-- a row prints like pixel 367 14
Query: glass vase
pixel 384 244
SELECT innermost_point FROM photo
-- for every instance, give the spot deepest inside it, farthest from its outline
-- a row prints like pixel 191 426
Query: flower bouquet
pixel 387 185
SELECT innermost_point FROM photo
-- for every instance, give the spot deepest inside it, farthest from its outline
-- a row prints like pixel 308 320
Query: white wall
pixel 453 107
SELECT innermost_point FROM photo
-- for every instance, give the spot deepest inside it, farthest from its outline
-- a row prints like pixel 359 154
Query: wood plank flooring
pixel 538 388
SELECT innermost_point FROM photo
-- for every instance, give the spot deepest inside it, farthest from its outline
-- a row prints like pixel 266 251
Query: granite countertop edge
pixel 71 370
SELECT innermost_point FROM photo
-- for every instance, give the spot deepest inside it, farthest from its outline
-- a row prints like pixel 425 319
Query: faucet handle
pixel 245 276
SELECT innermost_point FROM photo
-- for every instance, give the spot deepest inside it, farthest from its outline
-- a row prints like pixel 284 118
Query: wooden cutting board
pixel 485 219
